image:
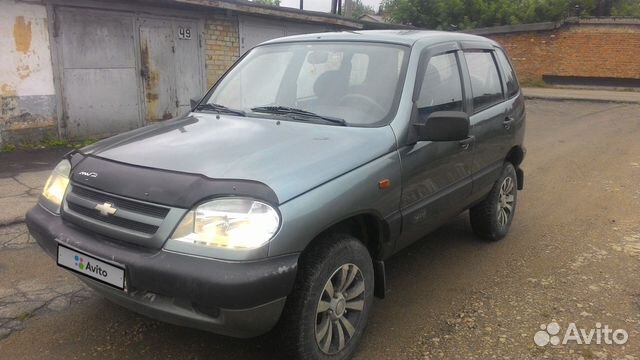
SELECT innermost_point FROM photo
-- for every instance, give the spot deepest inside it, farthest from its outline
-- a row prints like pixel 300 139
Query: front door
pixel 436 175
pixel 170 66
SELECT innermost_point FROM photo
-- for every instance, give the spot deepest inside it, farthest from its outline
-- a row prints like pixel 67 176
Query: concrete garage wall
pixel 592 50
pixel 27 97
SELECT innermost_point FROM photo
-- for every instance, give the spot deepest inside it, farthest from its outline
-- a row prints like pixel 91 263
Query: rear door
pixel 490 122
pixel 436 175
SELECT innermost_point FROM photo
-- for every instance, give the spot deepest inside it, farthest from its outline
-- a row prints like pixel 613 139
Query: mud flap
pixel 520 178
pixel 380 279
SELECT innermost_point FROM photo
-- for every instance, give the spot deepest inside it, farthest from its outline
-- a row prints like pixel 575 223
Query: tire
pixel 310 307
pixel 491 219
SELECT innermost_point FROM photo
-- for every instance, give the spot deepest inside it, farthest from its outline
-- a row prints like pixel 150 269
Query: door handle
pixel 466 143
pixel 508 121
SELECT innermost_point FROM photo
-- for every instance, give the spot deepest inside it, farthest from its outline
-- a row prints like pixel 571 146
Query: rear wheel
pixel 327 312
pixel 492 218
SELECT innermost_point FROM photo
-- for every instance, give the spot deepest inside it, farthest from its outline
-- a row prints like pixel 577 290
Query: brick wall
pixel 222 45
pixel 578 50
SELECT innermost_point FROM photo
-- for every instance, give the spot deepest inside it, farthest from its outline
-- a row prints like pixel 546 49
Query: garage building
pixel 80 68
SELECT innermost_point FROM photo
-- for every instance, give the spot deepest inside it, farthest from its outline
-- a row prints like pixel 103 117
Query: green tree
pixel 464 14
pixel 626 8
pixel 358 9
pixel 268 2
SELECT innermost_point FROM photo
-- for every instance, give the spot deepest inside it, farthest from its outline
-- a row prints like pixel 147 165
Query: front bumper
pixel 241 299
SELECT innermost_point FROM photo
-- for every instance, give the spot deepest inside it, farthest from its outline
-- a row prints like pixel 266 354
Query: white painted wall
pixel 25 56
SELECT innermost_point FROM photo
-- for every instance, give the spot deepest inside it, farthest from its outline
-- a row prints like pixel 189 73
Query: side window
pixel 485 79
pixel 512 83
pixel 441 88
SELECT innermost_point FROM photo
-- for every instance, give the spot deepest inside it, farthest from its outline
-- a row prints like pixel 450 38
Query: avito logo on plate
pixel 96 269
pixel 79 262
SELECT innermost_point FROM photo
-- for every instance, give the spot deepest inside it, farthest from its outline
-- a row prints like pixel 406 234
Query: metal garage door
pixel 98 69
pixel 253 30
pixel 120 71
pixel 171 66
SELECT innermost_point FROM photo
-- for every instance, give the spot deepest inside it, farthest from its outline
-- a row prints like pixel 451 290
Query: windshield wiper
pixel 220 109
pixel 285 110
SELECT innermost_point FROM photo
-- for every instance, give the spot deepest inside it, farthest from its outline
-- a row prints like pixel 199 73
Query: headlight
pixel 56 186
pixel 233 223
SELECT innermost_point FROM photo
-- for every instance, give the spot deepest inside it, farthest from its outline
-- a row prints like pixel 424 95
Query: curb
pixel 569 98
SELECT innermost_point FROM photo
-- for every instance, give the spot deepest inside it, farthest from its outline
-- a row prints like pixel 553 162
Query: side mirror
pixel 443 126
pixel 194 102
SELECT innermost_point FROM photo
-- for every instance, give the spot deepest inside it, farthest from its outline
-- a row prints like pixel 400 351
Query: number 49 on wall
pixel 184 33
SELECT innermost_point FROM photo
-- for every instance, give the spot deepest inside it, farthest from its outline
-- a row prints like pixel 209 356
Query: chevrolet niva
pixel 276 201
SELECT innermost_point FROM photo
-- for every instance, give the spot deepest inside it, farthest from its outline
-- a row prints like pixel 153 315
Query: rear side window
pixel 441 89
pixel 512 83
pixel 485 80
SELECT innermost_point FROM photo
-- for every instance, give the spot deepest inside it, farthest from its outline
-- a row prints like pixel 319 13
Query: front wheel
pixel 491 219
pixel 327 311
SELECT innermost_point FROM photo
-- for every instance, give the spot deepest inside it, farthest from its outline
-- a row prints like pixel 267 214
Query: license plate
pixel 87 265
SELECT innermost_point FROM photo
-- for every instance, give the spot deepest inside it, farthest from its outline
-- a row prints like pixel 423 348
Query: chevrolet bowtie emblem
pixel 106 209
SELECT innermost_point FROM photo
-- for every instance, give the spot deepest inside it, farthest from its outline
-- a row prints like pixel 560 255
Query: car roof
pixel 404 37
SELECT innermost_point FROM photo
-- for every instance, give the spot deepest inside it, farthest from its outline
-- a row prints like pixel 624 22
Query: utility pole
pixel 348 8
pixel 301 4
pixel 334 6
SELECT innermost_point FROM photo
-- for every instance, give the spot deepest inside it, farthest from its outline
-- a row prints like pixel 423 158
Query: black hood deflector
pixel 159 186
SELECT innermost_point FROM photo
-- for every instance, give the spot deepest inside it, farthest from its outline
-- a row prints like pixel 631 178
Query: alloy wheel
pixel 339 309
pixel 506 201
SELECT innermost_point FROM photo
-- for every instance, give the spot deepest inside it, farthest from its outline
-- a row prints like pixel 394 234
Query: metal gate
pixel 98 72
pixel 254 31
pixel 170 66
pixel 120 71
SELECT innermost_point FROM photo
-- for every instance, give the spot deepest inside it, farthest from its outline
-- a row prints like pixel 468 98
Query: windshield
pixel 356 82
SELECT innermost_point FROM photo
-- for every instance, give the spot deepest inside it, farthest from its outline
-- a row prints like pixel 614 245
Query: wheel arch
pixel 369 228
pixel 515 157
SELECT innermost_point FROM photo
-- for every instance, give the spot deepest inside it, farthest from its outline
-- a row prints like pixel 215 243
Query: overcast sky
pixel 322 5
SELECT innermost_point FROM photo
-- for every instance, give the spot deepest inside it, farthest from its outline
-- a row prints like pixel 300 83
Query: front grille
pixel 120 203
pixel 131 220
pixel 112 220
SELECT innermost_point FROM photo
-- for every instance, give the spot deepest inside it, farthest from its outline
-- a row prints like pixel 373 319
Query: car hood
pixel 290 157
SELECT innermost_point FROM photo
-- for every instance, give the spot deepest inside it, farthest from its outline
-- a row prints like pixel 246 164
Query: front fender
pixel 356 192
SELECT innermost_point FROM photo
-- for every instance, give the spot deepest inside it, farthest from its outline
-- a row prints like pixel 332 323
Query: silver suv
pixel 276 201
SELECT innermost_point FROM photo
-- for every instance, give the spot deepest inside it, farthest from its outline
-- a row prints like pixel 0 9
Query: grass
pixel 47 143
pixel 537 83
